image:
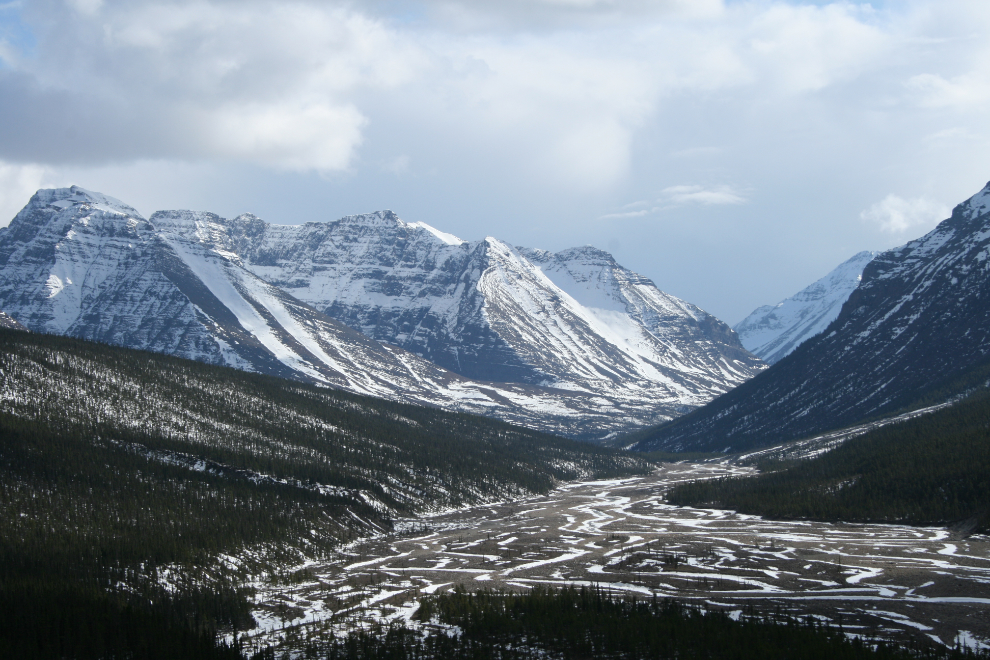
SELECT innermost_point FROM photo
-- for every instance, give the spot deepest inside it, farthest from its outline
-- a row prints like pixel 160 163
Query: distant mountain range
pixel 773 331
pixel 569 342
pixel 916 328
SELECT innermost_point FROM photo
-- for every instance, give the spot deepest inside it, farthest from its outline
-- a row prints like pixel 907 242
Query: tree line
pixel 933 469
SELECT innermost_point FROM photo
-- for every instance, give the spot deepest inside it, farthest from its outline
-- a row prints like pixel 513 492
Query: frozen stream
pixel 887 579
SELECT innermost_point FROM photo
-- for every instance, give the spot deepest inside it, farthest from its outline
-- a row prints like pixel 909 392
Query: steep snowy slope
pixel 917 326
pixel 485 310
pixel 83 264
pixel 649 333
pixel 773 331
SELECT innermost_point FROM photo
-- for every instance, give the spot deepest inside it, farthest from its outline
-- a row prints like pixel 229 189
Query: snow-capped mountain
pixel 253 296
pixel 485 310
pixel 773 331
pixel 915 331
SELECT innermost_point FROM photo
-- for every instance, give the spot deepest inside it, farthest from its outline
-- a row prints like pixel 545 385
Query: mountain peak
pixel 383 218
pixel 587 252
pixel 914 330
pixel 976 205
pixel 182 217
pixel 63 198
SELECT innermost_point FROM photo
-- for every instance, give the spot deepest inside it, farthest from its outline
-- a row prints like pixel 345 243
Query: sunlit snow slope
pixel 773 331
pixel 496 332
pixel 485 310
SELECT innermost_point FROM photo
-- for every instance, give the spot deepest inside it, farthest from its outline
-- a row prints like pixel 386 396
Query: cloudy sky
pixel 731 151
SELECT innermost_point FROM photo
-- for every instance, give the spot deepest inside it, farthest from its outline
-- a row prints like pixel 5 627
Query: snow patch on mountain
pixel 63 198
pixel 9 322
pixel 449 239
pixel 773 331
pixel 976 205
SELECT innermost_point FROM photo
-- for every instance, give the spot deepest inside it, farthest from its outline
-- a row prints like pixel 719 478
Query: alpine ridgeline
pixel 916 330
pixel 570 342
pixel 772 331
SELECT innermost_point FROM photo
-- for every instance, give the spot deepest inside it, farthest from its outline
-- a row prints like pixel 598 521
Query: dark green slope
pixel 930 470
pixel 124 475
pixel 389 455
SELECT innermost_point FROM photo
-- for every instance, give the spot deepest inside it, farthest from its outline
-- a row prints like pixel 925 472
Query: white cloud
pixel 563 94
pixel 625 214
pixel 717 195
pixel 17 184
pixel 296 85
pixel 86 6
pixel 673 196
pixel 266 83
pixel 484 15
pixel 964 92
pixel 319 136
pixel 896 215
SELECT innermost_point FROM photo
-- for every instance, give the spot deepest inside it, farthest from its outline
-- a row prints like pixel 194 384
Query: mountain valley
pixel 262 476
pixel 623 537
pixel 166 492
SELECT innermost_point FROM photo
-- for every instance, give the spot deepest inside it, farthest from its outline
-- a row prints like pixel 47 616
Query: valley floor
pixel 887 580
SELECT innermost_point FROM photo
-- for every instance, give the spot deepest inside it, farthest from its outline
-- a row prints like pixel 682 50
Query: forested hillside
pixel 930 470
pixel 140 493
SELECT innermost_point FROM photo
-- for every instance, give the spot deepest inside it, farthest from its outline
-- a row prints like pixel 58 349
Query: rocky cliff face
pixel 917 324
pixel 570 343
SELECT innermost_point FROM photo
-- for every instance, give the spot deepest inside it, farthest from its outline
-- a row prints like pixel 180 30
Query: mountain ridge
pixel 226 292
pixel 458 303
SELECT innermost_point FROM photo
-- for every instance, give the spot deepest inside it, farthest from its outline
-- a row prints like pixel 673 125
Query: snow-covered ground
pixel 889 580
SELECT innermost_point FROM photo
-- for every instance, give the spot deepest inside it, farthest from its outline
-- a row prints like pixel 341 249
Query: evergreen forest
pixel 140 492
pixel 575 624
pixel 933 470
